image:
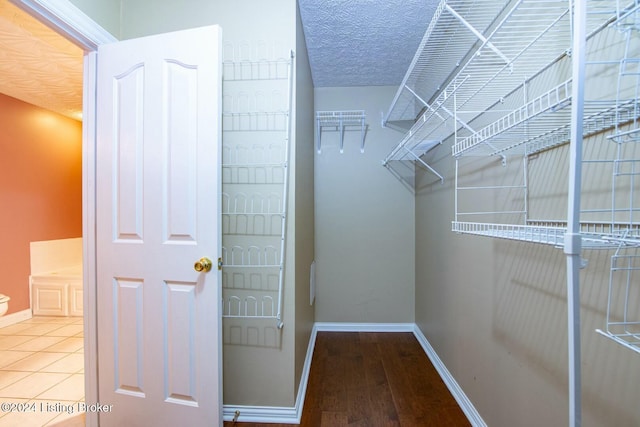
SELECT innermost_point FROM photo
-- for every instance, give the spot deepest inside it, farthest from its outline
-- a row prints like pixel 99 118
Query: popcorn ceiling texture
pixel 37 65
pixel 363 42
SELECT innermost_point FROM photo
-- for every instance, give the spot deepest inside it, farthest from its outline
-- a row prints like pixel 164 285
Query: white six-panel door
pixel 158 192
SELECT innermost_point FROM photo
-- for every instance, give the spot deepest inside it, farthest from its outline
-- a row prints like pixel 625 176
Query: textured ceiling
pixel 350 43
pixel 363 42
pixel 37 65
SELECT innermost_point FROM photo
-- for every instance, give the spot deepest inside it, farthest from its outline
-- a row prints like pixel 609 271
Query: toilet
pixel 4 304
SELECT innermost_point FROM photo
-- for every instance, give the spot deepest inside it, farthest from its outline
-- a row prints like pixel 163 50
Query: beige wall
pixel 304 200
pixel 364 218
pixel 241 21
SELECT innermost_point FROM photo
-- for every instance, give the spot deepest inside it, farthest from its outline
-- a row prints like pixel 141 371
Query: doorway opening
pixel 41 358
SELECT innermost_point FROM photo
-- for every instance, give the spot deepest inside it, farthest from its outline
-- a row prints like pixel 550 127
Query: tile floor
pixel 42 372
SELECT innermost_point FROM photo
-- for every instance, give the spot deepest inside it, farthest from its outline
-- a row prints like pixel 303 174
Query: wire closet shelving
pixel 544 122
pixel 256 138
pixel 486 98
pixel 509 84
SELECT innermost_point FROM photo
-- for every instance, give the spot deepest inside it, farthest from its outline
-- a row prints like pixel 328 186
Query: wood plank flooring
pixel 373 380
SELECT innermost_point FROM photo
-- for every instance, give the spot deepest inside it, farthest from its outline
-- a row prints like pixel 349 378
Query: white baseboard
pixel 364 327
pixel 274 414
pixel 261 414
pixel 16 317
pixel 292 415
pixel 465 404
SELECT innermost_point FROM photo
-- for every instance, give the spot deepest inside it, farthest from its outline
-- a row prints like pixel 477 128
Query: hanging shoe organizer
pixel 339 121
pixel 256 137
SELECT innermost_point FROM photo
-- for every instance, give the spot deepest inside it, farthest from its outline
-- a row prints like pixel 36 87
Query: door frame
pixel 73 24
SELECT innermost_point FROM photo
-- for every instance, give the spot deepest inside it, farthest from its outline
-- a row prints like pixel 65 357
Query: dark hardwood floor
pixel 373 380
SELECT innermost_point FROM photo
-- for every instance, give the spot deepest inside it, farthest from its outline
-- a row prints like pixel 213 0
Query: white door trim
pixel 90 312
pixel 69 21
pixel 66 19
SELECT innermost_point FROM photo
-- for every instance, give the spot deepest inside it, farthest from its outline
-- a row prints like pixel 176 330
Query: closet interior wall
pixel 364 218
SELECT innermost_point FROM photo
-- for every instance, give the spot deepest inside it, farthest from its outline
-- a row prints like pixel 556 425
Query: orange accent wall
pixel 40 188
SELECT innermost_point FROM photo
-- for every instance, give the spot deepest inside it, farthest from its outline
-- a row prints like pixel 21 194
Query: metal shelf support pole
pixel 573 240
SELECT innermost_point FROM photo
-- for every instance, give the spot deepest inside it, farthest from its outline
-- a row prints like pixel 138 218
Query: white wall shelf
pixel 339 121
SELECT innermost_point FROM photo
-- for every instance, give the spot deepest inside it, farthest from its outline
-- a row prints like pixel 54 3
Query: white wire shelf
pixel 493 46
pixel 543 124
pixel 594 235
pixel 525 233
pixel 424 135
pixel 338 121
pixel 414 154
pixel 444 46
pixel 628 339
pixel 614 231
pixel 472 54
pixel 627 136
pixel 492 49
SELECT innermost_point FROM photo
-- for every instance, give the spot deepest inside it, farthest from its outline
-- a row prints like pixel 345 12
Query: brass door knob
pixel 203 264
